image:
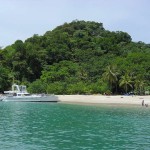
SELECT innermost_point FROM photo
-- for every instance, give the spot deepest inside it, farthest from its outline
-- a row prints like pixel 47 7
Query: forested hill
pixel 78 57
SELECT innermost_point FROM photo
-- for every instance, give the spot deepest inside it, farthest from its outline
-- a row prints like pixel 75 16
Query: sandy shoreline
pixel 100 99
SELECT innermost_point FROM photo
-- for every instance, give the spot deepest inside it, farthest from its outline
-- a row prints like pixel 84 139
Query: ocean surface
pixel 55 126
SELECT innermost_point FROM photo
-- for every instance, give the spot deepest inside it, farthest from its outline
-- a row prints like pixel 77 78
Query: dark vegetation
pixel 77 58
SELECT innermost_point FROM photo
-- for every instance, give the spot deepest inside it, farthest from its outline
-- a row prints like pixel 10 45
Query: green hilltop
pixel 80 57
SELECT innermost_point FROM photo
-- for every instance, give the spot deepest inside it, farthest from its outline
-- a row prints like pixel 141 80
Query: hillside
pixel 78 57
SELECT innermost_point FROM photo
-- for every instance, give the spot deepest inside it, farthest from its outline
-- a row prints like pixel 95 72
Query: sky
pixel 21 19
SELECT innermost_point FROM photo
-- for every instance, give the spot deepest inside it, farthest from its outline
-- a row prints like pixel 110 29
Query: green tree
pixel 139 85
pixel 4 79
pixel 37 87
pixel 110 75
pixel 76 53
pixel 125 82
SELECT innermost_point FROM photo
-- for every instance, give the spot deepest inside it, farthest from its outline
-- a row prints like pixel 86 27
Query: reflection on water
pixel 32 126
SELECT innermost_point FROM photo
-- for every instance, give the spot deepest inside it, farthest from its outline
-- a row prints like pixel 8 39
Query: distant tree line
pixel 80 57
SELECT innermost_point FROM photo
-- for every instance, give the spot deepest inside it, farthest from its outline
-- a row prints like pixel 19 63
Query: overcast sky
pixel 21 19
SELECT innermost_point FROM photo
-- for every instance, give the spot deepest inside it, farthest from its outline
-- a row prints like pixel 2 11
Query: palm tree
pixel 139 84
pixel 136 85
pixel 110 75
pixel 126 82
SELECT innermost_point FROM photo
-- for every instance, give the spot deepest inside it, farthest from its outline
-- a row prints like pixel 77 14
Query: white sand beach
pixel 100 99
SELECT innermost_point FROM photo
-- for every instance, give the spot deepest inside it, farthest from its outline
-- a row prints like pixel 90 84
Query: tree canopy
pixel 80 57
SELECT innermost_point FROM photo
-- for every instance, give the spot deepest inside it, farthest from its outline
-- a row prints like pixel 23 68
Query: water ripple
pixel 32 126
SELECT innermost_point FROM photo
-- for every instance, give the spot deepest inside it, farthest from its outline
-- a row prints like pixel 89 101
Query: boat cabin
pixel 17 90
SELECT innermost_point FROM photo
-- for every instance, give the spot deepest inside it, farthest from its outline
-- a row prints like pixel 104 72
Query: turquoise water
pixel 54 126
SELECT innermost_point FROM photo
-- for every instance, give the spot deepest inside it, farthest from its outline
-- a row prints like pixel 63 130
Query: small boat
pixel 19 93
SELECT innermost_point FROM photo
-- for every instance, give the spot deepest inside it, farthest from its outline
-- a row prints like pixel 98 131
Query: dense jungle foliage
pixel 80 57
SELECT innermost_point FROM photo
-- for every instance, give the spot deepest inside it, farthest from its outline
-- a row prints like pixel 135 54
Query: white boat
pixel 19 93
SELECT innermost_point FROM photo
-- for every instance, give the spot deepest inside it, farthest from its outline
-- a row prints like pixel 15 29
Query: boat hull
pixel 31 99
